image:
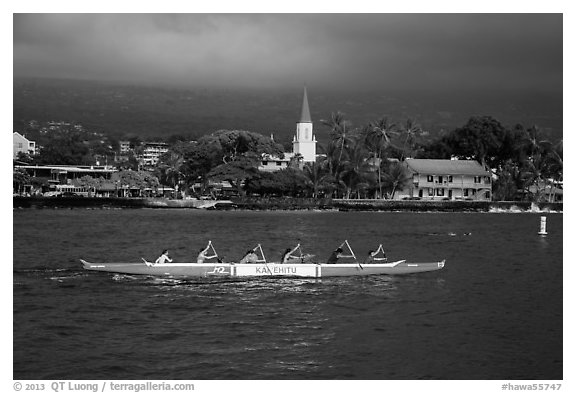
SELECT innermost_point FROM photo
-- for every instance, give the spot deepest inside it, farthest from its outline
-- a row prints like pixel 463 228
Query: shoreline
pixel 250 203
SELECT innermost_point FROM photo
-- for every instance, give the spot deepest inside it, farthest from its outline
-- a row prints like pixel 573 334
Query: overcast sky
pixel 380 51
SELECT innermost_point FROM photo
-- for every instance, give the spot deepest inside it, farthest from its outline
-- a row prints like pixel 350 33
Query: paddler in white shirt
pixel 202 255
pixel 287 256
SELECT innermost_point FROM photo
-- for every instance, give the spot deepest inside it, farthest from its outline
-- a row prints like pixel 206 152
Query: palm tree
pixel 412 131
pixel 380 135
pixel 539 161
pixel 337 125
pixel 395 178
pixel 170 167
pixel 355 170
pixel 533 175
pixel 556 166
pixel 318 177
pixel 296 161
pixel 534 142
pixel 331 160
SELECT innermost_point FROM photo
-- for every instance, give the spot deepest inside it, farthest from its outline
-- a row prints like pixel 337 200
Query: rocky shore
pixel 251 203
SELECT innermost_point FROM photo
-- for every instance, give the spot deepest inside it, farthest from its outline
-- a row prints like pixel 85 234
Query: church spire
pixel 305 116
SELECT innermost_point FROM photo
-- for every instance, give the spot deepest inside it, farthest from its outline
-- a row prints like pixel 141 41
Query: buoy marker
pixel 542 226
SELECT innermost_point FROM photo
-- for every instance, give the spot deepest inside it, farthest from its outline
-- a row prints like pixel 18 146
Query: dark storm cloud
pixel 394 51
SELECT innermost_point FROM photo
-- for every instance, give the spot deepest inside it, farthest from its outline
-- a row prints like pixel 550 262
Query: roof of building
pixel 16 133
pixel 446 167
pixel 66 168
pixel 305 115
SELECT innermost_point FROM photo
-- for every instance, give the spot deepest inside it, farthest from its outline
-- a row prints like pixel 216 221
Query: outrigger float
pixel 265 269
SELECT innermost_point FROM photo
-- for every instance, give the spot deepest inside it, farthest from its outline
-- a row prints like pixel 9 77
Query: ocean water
pixel 494 311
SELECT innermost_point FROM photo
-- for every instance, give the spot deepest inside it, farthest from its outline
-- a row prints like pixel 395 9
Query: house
pixel 446 180
pixel 272 163
pixel 124 147
pixel 151 152
pixel 22 145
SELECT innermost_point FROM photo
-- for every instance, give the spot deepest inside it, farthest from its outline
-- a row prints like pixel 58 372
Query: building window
pixel 278 163
pixel 440 179
pixel 264 163
pixel 477 179
pixel 465 192
pixel 430 179
pixel 430 192
pixel 440 192
pixel 450 179
pixel 20 146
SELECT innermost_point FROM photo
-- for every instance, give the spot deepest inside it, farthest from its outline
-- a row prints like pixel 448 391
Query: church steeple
pixel 305 116
pixel 304 142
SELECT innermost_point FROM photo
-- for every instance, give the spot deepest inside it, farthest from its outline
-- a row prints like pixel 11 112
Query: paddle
pixel 352 252
pixel 213 250
pixel 380 248
pixel 147 263
pixel 264 258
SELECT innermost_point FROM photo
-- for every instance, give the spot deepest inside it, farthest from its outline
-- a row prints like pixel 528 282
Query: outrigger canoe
pixel 193 270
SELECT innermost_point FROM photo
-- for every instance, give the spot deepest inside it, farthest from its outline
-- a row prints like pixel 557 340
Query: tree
pixel 318 177
pixel 222 154
pixel 19 180
pixel 231 144
pixel 479 139
pixel 236 172
pixel 356 169
pixel 380 135
pixel 23 158
pixel 340 137
pixel 296 161
pixel 170 167
pixel 395 178
pixel 411 131
pixel 134 180
pixel 509 180
pixel 65 148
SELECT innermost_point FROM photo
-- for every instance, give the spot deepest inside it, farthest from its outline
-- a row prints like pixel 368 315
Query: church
pixel 304 143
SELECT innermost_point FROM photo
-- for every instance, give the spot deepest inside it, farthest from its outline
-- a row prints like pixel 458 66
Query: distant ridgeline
pixel 123 110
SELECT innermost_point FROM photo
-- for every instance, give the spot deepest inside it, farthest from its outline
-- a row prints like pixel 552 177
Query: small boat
pixel 271 269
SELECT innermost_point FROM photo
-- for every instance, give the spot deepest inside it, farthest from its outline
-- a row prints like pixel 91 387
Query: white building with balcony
pixel 151 152
pixel 447 180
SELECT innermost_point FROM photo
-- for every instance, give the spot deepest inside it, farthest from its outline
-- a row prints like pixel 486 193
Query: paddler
pixel 251 257
pixel 163 258
pixel 371 258
pixel 336 255
pixel 202 254
pixel 287 256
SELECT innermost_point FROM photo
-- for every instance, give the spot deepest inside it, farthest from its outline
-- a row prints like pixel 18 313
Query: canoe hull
pixel 191 270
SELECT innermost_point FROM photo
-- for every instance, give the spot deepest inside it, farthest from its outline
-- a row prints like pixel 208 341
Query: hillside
pixel 148 111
